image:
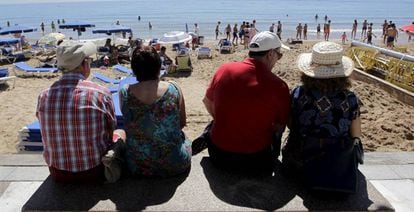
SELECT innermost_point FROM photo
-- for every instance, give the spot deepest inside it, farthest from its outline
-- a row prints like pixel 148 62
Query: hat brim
pixel 283 46
pixel 306 66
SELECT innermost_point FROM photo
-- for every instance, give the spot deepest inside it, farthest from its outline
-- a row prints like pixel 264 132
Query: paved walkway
pixel 392 174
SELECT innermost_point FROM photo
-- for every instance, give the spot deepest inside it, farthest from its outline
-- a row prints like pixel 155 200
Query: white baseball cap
pixel 70 54
pixel 265 41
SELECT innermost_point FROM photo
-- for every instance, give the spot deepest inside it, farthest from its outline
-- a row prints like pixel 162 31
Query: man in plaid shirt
pixel 77 118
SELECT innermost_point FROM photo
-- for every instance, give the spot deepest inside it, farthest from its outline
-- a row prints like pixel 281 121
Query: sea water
pixel 171 15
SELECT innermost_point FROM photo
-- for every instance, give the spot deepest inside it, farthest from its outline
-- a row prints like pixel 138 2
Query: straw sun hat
pixel 325 61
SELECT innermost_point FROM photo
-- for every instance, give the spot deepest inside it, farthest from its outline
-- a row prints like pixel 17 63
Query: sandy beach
pixel 387 124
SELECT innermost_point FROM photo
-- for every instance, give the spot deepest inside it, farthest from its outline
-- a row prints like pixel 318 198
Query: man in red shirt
pixel 249 105
pixel 76 118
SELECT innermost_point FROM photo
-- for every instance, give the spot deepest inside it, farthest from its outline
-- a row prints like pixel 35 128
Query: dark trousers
pixel 95 174
pixel 262 162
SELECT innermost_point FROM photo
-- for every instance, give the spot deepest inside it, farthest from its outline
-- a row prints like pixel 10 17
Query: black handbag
pixel 327 165
pixel 332 165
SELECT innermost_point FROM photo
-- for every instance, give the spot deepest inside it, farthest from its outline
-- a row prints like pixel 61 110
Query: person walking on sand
pixel 252 32
pixel 318 31
pixel 369 36
pixel 384 30
pixel 77 118
pixel 228 31
pixel 279 30
pixel 217 30
pixel 53 26
pixel 354 29
pixel 327 30
pixel 241 32
pixel 272 28
pixel 245 133
pixel 299 32
pixel 235 34
pixel 392 35
pixel 246 35
pixel 305 32
pixel 364 28
pixel 42 27
pixel 344 38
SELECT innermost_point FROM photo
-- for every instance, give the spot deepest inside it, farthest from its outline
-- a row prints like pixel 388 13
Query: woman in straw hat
pixel 325 121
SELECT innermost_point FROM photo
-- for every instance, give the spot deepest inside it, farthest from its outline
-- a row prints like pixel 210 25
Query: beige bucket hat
pixel 70 54
pixel 325 61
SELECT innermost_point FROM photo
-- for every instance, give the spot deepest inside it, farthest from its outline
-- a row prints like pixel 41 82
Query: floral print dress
pixel 155 144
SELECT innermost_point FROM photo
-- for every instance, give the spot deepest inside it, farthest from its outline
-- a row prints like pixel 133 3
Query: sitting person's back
pixel 77 118
pixel 325 124
pixel 154 114
pixel 249 104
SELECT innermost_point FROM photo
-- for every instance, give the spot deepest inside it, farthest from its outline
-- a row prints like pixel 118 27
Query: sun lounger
pixel 122 69
pixel 225 46
pixel 27 69
pixel 104 78
pixel 183 63
pixel 113 89
pixel 6 53
pixel 4 76
pixel 30 137
pixel 203 53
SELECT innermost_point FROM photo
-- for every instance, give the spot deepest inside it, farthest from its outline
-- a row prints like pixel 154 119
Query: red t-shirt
pixel 249 101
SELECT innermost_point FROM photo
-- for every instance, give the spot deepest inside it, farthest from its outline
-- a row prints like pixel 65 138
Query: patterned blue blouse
pixel 156 146
pixel 323 116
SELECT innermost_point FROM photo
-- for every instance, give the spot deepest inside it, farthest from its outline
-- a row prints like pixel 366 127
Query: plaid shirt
pixel 77 119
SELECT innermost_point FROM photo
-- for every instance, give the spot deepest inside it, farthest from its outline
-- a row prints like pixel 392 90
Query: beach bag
pixel 331 165
pixel 112 162
pixel 324 165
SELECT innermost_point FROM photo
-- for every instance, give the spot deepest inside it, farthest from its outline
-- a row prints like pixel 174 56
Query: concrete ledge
pixel 204 188
pixel 395 91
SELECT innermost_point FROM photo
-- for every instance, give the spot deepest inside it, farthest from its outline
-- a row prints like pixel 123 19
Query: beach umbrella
pixel 112 29
pixel 51 38
pixel 4 41
pixel 175 37
pixel 408 28
pixel 76 25
pixel 17 29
